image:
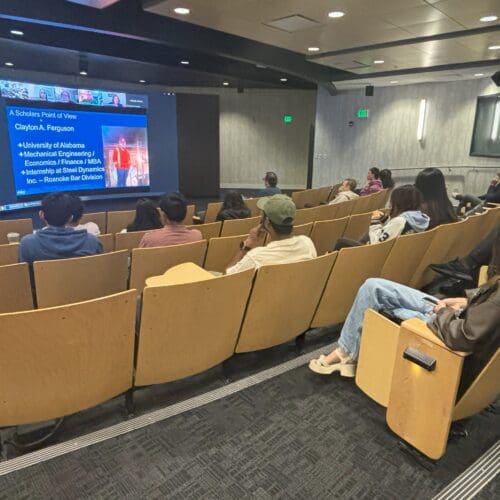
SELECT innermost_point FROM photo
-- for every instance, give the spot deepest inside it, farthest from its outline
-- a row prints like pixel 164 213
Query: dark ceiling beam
pixel 407 41
pixel 127 20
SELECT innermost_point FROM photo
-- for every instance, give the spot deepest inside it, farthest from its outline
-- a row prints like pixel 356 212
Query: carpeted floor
pixel 297 436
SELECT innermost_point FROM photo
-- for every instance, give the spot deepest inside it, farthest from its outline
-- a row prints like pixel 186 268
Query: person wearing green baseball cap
pixel 278 216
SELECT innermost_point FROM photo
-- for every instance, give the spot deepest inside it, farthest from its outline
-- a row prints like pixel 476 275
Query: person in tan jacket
pixel 345 192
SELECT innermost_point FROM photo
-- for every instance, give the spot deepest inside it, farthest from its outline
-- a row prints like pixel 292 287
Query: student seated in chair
pixel 469 324
pixel 57 240
pixel 277 221
pixel 346 192
pixel 174 208
pixel 77 213
pixel 233 207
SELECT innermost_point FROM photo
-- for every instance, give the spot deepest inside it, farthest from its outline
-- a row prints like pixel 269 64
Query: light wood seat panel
pixel 358 226
pixel 61 360
pixel 65 281
pixel 208 231
pixel 98 218
pixel 344 208
pixel 189 328
pixel 221 251
pixel 251 203
pixel 189 215
pixel 291 305
pixel 353 267
pixel 15 288
pixel 327 212
pixel 363 204
pixel 212 210
pixel 9 254
pixel 303 229
pixel 108 242
pixel 147 262
pixel 235 227
pixel 118 220
pixel 325 234
pixel 305 215
pixel 21 226
pixel 378 200
pixel 129 241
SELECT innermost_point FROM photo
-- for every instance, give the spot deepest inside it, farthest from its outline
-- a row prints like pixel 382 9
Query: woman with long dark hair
pixel 386 179
pixel 436 204
pixel 146 218
pixel 233 207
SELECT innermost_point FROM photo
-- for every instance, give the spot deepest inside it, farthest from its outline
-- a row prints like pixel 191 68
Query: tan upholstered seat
pixel 118 220
pixel 21 226
pixel 108 242
pixel 9 254
pixel 235 227
pixel 15 288
pixel 208 231
pixel 325 233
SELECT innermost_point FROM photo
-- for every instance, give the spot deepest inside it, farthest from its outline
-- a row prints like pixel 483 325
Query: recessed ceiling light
pixel 83 73
pixel 378 61
pixel 488 19
pixel 17 32
pixel 225 84
pixel 9 64
pixel 142 81
pixel 336 14
pixel 494 47
pixel 479 74
pixel 283 80
pixel 183 11
pixel 313 49
pixel 394 81
pixel 185 63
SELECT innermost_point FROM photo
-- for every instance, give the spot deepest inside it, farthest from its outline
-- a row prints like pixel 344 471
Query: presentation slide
pixel 67 150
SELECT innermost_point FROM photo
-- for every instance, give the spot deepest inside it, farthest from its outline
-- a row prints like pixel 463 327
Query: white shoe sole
pixel 346 370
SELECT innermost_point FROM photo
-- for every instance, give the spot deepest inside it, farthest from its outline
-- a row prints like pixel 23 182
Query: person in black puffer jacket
pixel 233 207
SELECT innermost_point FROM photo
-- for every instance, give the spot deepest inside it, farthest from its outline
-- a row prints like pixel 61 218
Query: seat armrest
pixel 419 328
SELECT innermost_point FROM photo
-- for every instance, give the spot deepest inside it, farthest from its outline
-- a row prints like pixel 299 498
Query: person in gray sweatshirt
pixel 57 241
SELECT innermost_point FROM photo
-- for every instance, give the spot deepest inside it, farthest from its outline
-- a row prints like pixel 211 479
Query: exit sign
pixel 288 118
pixel 362 113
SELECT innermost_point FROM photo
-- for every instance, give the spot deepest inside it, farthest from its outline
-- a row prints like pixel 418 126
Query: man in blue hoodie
pixel 57 241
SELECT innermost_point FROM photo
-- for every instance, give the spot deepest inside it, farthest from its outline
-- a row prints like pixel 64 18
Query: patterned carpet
pixel 295 436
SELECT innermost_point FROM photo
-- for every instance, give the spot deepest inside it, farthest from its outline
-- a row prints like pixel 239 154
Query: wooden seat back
pixel 108 242
pixel 189 215
pixel 334 191
pixel 300 198
pixel 208 231
pixel 325 233
pixel 324 194
pixel 471 235
pixel 9 254
pixel 251 203
pixel 189 328
pixel 212 210
pixel 15 288
pixel 345 208
pixel 118 220
pixel 327 212
pixel 358 226
pixel 378 200
pixel 305 215
pixel 66 281
pixel 491 219
pixel 405 256
pixel 235 227
pixel 65 359
pixel 21 226
pixel 303 229
pixel 98 218
pixel 129 241
pixel 148 262
pixel 353 267
pixel 291 305
pixel 221 251
pixel 363 204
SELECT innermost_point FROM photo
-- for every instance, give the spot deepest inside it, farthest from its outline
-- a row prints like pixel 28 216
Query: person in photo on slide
pixel 121 161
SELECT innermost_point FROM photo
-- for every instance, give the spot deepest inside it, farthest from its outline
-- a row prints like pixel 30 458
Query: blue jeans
pixel 376 293
pixel 121 174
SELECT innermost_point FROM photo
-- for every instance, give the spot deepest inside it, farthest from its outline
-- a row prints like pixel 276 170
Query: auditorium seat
pixel 363 204
pixel 118 220
pixel 189 328
pixel 98 218
pixel 251 203
pixel 64 281
pixel 353 266
pixel 300 198
pixel 234 227
pixel 377 200
pixel 305 215
pixel 15 288
pixel 422 403
pixel 221 251
pixel 290 294
pixel 358 226
pixel 344 208
pixel 108 242
pixel 325 233
pixel 9 254
pixel 212 210
pixel 334 191
pixel 303 229
pixel 324 194
pixel 128 241
pixel 65 359
pixel 189 215
pixel 208 231
pixel 327 212
pixel 148 262
pixel 21 226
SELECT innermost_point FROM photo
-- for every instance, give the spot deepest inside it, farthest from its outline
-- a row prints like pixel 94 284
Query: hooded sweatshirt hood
pixel 416 219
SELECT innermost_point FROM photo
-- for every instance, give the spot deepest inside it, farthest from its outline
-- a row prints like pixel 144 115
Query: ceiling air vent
pixel 293 23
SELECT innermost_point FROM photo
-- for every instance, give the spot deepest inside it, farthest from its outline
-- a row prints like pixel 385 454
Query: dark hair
pixel 174 206
pixel 386 178
pixel 279 229
pixel 435 202
pixel 57 209
pixel 76 208
pixel 146 216
pixel 375 171
pixel 233 200
pixel 405 198
pixel 271 178
pixel 352 183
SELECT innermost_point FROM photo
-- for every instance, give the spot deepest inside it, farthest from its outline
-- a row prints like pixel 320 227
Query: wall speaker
pixel 369 89
pixel 496 78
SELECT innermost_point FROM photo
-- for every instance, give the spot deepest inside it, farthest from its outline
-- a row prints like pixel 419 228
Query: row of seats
pixel 59 360
pixel 314 197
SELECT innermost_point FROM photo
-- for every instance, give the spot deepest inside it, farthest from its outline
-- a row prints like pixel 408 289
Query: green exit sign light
pixel 288 118
pixel 362 113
